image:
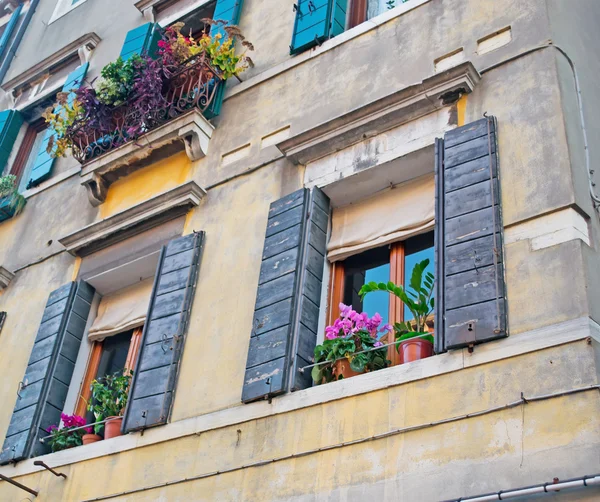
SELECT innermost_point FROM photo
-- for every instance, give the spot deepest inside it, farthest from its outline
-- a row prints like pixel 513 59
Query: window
pixel 393 262
pixel 28 152
pixel 178 11
pixel 63 7
pixel 363 10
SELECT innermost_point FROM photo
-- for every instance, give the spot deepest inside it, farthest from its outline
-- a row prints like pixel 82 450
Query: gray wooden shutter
pixel 286 313
pixel 43 390
pixel 157 367
pixel 469 238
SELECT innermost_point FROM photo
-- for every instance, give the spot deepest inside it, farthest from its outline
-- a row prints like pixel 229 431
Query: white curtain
pixel 121 311
pixel 394 214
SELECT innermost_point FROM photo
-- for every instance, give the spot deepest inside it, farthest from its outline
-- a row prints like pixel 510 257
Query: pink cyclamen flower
pixel 378 344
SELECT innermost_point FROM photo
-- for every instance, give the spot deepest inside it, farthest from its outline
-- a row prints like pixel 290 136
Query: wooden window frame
pixel 26 146
pixel 91 371
pixel 358 13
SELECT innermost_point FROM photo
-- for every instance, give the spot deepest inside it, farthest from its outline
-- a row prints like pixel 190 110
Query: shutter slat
pixel 154 379
pixel 286 313
pixel 469 255
pixel 49 372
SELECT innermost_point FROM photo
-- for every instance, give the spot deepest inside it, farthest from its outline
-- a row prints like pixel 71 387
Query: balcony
pixel 131 137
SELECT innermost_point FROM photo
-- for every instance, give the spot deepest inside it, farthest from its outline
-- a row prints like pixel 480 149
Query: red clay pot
pixel 415 349
pixel 90 438
pixel 342 367
pixel 112 427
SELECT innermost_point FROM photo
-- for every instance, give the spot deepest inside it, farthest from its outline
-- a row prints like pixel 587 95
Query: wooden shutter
pixel 316 21
pixel 157 367
pixel 43 390
pixel 42 168
pixel 469 238
pixel 141 40
pixel 10 124
pixel 226 10
pixel 286 313
pixel 8 31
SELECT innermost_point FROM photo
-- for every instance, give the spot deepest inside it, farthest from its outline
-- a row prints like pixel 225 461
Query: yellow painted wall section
pixel 145 183
pixel 461 108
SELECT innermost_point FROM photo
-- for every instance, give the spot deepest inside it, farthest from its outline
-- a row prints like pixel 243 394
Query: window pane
pixel 114 354
pixel 35 149
pixel 372 265
pixel 417 249
pixel 376 7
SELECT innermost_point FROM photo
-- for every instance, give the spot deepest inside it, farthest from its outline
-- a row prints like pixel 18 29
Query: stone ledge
pixel 159 209
pixel 379 116
pixel 190 132
pixel 5 277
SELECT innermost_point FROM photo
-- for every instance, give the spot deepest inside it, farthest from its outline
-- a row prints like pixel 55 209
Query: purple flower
pixel 378 344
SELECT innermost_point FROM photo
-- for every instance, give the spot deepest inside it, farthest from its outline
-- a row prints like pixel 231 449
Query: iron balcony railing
pixel 193 84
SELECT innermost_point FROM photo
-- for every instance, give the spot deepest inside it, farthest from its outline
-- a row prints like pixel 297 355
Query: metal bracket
pixel 57 474
pixel 18 485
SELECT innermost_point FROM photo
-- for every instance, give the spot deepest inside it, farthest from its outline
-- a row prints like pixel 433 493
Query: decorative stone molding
pixel 190 132
pixel 159 209
pixel 86 44
pixel 5 277
pixel 379 116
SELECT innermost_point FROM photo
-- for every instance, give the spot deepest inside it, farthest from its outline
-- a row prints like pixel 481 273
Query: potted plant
pixel 11 201
pixel 71 434
pixel 109 398
pixel 413 340
pixel 350 347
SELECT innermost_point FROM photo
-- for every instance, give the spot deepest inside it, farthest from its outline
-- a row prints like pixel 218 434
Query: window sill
pixel 523 343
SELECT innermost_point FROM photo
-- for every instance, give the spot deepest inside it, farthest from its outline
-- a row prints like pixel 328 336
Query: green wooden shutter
pixel 141 40
pixel 42 168
pixel 8 31
pixel 226 10
pixel 157 367
pixel 316 21
pixel 10 124
pixel 43 390
pixel 286 312
pixel 469 238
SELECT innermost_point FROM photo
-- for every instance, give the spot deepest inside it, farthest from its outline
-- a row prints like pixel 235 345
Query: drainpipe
pixel 7 60
pixel 555 486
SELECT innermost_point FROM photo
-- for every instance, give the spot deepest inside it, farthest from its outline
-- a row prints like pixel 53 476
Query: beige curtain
pixel 394 214
pixel 120 311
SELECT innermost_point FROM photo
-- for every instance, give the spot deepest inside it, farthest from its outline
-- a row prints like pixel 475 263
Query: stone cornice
pixel 159 209
pixel 381 115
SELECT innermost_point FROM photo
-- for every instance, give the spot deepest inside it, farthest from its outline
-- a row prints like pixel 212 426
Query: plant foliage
pixel 10 191
pixel 417 298
pixel 65 437
pixel 109 396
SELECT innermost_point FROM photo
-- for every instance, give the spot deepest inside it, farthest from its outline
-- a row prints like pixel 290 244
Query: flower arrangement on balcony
pixel 351 347
pixel 11 201
pixel 135 96
pixel 67 437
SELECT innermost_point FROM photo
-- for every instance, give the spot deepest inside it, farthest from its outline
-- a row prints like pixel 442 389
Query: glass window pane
pixel 417 249
pixel 372 265
pixel 376 7
pixel 114 354
pixel 35 149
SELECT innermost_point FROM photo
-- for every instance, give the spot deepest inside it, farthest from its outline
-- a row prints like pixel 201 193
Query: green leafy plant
pixel 354 337
pixel 109 396
pixel 10 191
pixel 70 435
pixel 417 298
pixel 117 79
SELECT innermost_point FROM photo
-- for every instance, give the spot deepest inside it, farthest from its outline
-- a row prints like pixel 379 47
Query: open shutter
pixel 141 40
pixel 316 21
pixel 42 168
pixel 157 367
pixel 226 10
pixel 469 238
pixel 286 313
pixel 10 124
pixel 43 390
pixel 10 27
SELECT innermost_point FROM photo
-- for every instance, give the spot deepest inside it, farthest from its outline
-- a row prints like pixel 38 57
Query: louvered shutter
pixel 316 21
pixel 43 390
pixel 10 124
pixel 469 238
pixel 157 367
pixel 141 40
pixel 42 168
pixel 10 27
pixel 286 312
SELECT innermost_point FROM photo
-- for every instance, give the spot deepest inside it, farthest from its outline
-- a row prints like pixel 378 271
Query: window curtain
pixel 121 311
pixel 391 215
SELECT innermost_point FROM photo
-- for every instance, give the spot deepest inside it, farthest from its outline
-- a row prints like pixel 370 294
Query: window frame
pixel 26 148
pixel 63 7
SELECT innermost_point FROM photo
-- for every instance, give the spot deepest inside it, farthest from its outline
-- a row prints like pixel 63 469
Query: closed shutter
pixel 286 313
pixel 316 21
pixel 141 40
pixel 10 124
pixel 157 367
pixel 42 168
pixel 469 238
pixel 43 390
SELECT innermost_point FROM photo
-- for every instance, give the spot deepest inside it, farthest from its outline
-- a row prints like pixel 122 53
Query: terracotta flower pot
pixel 90 438
pixel 342 367
pixel 112 427
pixel 415 349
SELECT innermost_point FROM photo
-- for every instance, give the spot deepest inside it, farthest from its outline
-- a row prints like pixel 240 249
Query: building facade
pixel 208 253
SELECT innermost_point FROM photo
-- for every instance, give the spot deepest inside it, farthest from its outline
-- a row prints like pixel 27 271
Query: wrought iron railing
pixel 194 84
